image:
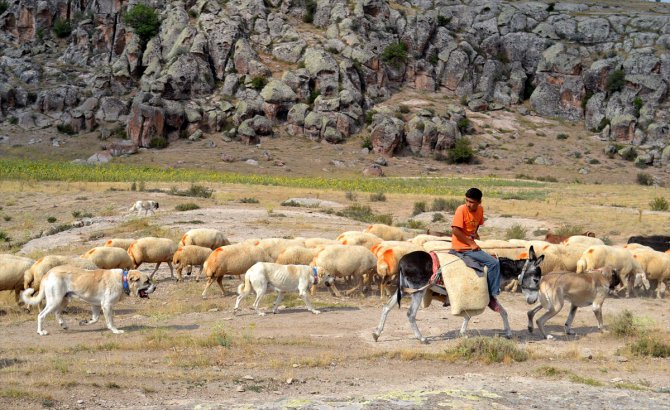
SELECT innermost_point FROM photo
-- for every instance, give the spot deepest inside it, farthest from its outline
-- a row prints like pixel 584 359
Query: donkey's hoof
pixel 375 336
pixel 530 329
pixel 424 340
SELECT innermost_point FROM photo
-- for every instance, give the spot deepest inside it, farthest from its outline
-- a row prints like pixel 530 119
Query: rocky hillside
pixel 156 71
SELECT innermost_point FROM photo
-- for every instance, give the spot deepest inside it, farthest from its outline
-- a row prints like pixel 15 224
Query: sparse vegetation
pixel 65 129
pixel 395 54
pixel 4 237
pixel 378 197
pixel 637 105
pixel 3 6
pixel 650 345
pixel 622 325
pixel 488 350
pixel 258 82
pixel 351 195
pixel 158 142
pixel 515 231
pixel 419 208
pixel 616 81
pixel 366 142
pixel 403 109
pixel 569 230
pixel 462 153
pixel 196 191
pixel 658 204
pixel 188 206
pixel 562 136
pixel 414 224
pixel 364 213
pixel 645 179
pixel 463 125
pixel 143 20
pixel 249 200
pixel 437 217
pixel 62 28
pixel 448 205
pixel 51 219
pixel 310 9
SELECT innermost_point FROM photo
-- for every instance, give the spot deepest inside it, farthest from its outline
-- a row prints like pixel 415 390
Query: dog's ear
pixel 134 276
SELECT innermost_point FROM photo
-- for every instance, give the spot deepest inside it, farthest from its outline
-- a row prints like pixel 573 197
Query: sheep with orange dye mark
pixel 386 232
pixel 343 261
pixel 231 260
pixel 358 238
pixel 122 243
pixel 190 256
pixel 109 257
pixel 621 259
pixel 206 237
pixel 153 250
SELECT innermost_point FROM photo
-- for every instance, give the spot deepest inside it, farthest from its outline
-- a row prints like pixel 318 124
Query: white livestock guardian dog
pixel 102 288
pixel 282 278
pixel 146 206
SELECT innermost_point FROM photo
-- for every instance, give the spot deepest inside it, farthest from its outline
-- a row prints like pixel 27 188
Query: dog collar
pixel 126 287
pixel 316 275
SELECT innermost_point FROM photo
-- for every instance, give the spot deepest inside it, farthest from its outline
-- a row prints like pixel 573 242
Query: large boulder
pixel 387 135
pixel 145 123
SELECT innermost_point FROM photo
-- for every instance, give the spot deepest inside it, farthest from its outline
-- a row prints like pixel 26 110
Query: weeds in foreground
pixel 659 204
pixel 515 231
pixel 188 206
pixel 378 197
pixel 623 325
pixel 488 350
pixel 650 345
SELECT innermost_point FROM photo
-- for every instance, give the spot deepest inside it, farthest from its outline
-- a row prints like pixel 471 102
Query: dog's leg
pixel 95 315
pixel 531 314
pixel 308 302
pixel 108 311
pixel 280 296
pixel 571 317
pixel 411 315
pixel 260 292
pixel 540 322
pixel 385 312
pixel 59 313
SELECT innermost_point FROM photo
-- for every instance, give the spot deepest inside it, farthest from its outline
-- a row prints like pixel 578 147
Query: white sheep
pixel 358 238
pixel 122 243
pixel 231 260
pixel 207 237
pixel 342 261
pixel 500 248
pixel 190 255
pixel 33 276
pixel 274 246
pixel 621 259
pixel 109 257
pixel 559 257
pixel 656 265
pixel 12 270
pixel 153 250
pixel 388 255
pixel 583 240
pixel 296 255
pixel 432 246
pixel 386 232
pixel 318 242
pixel 423 238
pixel 526 244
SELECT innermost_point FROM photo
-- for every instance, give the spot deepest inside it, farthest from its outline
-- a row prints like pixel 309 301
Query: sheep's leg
pixel 411 315
pixel 382 286
pixel 219 281
pixel 171 271
pixel 571 317
pixel 385 312
pixel 197 277
pixel 334 291
pixel 209 283
pixel 630 283
pixel 531 314
pixel 355 288
pixel 155 270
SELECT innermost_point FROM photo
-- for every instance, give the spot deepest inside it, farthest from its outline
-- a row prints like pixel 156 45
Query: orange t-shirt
pixel 468 222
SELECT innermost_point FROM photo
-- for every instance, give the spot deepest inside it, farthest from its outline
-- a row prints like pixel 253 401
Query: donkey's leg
pixel 531 314
pixel 571 317
pixel 385 312
pixel 411 315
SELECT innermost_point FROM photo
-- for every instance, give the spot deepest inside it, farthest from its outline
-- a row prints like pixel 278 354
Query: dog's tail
pixel 28 299
pixel 244 287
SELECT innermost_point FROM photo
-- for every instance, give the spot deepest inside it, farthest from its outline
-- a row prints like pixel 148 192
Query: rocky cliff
pixel 252 68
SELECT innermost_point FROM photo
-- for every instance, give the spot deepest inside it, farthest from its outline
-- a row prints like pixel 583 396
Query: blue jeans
pixel 493 265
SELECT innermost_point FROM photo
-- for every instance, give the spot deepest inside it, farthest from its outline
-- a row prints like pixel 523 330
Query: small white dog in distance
pixel 146 206
pixel 282 278
pixel 102 288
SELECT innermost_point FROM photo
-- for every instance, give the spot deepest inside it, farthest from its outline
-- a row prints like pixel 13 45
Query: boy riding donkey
pixel 467 220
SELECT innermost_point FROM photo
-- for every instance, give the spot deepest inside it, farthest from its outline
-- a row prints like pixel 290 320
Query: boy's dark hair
pixel 474 193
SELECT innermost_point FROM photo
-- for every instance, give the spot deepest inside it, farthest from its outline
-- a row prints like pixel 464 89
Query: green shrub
pixel 290 202
pixel 616 81
pixel 658 204
pixel 58 228
pixel 13 120
pixel 366 142
pixel 197 191
pixel 395 54
pixel 550 7
pixel 645 179
pixel 368 116
pixel 463 125
pixel 443 20
pixel 62 28
pixel 403 109
pixel 188 206
pixel 419 208
pixel 414 224
pixel 4 237
pixel 65 129
pixel 364 213
pixel 378 197
pixel 438 217
pixel 310 9
pixel 569 230
pixel 488 350
pixel 650 345
pixel 249 200
pixel 562 136
pixel 258 82
pixel 133 186
pixel 515 231
pixel 449 205
pixel 3 6
pixel 637 104
pixel 623 325
pixel 461 153
pixel 350 195
pixel 51 219
pixel 313 95
pixel 7 218
pixel 158 142
pixel 143 20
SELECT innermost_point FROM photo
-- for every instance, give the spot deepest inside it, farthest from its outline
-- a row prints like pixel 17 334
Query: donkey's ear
pixel 539 260
pixel 531 253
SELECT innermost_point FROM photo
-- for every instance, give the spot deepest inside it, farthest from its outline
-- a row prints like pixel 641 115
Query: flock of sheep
pixel 357 257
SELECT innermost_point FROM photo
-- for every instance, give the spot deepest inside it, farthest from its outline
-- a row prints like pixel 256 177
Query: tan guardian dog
pixel 102 288
pixel 579 289
pixel 283 278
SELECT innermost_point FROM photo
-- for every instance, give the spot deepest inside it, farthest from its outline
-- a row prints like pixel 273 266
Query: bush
pixel 188 206
pixel 395 54
pixel 461 153
pixel 290 202
pixel 438 217
pixel 51 219
pixel 143 20
pixel 658 204
pixel 350 195
pixel 515 231
pixel 197 191
pixel 257 83
pixel 59 228
pixel 368 116
pixel 310 9
pixel 645 179
pixel 419 208
pixel 366 142
pixel 4 237
pixel 569 230
pixel 364 213
pixel 313 96
pixel 65 129
pixel 623 325
pixel 463 125
pixel 378 197
pixel 403 109
pixel 488 350
pixel 615 81
pixel 443 20
pixel 249 200
pixel 637 104
pixel 650 345
pixel 414 224
pixel 62 28
pixel 3 6
pixel 562 136
pixel 449 205
pixel 158 142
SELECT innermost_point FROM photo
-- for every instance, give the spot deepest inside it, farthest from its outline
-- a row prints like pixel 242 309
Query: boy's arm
pixel 463 237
